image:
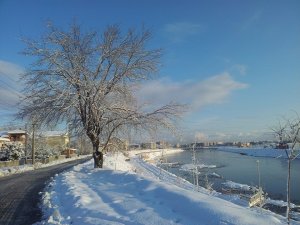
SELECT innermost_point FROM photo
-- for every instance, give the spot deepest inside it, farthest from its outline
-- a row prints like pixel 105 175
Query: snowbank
pixel 191 167
pixel 234 185
pixel 152 154
pixel 6 171
pixel 138 193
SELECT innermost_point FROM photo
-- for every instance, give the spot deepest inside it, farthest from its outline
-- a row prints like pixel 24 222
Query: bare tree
pixel 289 133
pixel 87 79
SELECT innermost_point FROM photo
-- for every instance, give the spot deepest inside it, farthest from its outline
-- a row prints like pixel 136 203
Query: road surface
pixel 19 194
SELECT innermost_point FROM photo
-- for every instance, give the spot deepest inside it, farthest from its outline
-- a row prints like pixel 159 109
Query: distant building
pixel 3 140
pixel 177 145
pixel 162 144
pixel 55 139
pixel 17 136
pixel 116 144
pixel 69 152
pixel 149 145
pixel 134 146
pixel 242 145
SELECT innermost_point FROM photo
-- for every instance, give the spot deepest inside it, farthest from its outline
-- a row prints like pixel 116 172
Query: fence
pixel 29 161
pixel 9 163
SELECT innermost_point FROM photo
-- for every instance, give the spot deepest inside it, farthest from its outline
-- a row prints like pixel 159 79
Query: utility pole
pixel 32 149
pixel 26 140
pixel 259 185
pixel 195 172
pixel 258 171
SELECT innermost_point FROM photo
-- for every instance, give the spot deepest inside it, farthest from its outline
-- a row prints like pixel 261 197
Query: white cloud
pixel 179 31
pixel 240 68
pixel 252 20
pixel 10 70
pixel 9 83
pixel 197 94
pixel 200 136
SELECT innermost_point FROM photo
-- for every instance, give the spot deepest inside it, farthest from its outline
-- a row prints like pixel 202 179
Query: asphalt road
pixel 19 194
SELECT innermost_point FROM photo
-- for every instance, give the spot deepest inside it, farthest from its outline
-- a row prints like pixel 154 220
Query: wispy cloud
pixel 202 136
pixel 9 84
pixel 252 20
pixel 179 31
pixel 197 94
pixel 240 68
pixel 10 70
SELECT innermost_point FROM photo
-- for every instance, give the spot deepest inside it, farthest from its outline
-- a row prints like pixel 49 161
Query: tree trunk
pixel 97 155
pixel 98 159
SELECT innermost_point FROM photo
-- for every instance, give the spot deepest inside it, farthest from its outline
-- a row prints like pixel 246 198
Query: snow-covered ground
pixel 6 171
pixel 190 167
pixel 137 192
pixel 258 152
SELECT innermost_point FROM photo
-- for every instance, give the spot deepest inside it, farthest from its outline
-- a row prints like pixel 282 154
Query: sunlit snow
pixel 139 193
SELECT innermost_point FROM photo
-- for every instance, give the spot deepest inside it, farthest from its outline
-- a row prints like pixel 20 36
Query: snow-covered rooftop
pixel 4 139
pixel 16 132
pixel 53 133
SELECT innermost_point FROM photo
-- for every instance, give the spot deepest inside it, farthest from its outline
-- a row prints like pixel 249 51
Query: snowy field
pixel 6 171
pixel 136 192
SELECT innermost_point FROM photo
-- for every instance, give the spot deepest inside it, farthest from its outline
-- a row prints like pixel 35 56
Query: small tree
pixel 289 133
pixel 12 151
pixel 87 80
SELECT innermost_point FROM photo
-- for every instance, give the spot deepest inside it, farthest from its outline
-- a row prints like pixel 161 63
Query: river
pixel 241 169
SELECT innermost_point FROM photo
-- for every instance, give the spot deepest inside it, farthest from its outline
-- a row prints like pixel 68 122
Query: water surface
pixel 242 169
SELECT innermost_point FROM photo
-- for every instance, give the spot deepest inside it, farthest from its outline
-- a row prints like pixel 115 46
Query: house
pixel 3 140
pixel 17 136
pixel 69 152
pixel 55 139
pixel 161 144
pixel 116 144
pixel 134 146
pixel 150 145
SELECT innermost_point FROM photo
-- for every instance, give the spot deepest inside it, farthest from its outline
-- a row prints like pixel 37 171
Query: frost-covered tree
pixel 43 151
pixel 289 132
pixel 12 151
pixel 87 80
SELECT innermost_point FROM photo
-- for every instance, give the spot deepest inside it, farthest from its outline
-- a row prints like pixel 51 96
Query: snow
pixel 234 185
pixel 213 174
pixel 16 132
pixel 190 167
pixel 4 139
pixel 279 203
pixel 6 171
pixel 152 154
pixel 258 152
pixel 53 133
pixel 137 192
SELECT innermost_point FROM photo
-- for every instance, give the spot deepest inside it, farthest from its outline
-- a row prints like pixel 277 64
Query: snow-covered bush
pixel 11 151
pixel 43 151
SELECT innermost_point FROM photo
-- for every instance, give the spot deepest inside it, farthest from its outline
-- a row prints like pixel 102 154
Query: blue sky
pixel 237 63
